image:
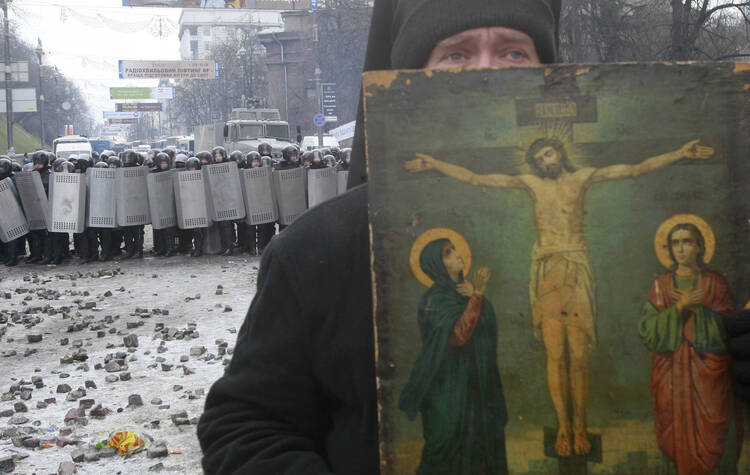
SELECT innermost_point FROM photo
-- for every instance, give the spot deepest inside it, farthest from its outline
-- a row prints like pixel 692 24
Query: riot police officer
pixel 85 242
pixel 205 157
pixel 163 238
pixel 226 228
pixel 11 248
pixel 57 245
pixel 38 237
pixel 193 164
pixel 133 234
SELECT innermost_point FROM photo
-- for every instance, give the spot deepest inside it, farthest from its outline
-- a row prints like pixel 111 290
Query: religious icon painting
pixel 552 263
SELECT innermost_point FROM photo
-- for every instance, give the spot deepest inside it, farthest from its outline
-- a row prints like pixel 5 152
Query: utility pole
pixel 8 90
pixel 318 92
pixel 39 52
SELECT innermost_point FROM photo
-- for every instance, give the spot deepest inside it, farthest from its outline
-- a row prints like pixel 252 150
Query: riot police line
pixel 209 203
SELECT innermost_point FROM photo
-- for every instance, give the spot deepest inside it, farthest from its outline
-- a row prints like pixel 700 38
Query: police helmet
pixel 114 162
pixel 220 152
pixel 290 153
pixel 6 167
pixel 40 157
pixel 204 157
pixel 129 158
pixel 235 156
pixel 64 166
pixel 194 163
pixel 265 149
pixel 160 160
pixel 101 165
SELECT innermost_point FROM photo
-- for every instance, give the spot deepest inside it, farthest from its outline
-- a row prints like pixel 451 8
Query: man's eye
pixel 455 56
pixel 516 55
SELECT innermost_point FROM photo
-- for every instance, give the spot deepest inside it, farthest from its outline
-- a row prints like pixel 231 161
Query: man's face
pixel 548 161
pixel 483 48
pixel 685 248
pixel 255 163
pixel 452 261
pixel 218 158
pixel 164 165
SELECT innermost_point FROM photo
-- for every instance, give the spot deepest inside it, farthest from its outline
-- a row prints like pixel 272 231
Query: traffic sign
pixel 328 96
pixel 319 120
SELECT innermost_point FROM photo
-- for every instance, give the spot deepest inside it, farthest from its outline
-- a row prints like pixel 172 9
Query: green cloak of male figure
pixel 456 387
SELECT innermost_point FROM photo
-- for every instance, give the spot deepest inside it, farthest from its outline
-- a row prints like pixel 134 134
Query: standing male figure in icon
pixel 698 422
pixel 561 287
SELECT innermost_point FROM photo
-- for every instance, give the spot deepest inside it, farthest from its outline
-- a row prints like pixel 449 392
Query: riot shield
pixel 257 192
pixel 100 200
pixel 289 188
pixel 161 200
pixel 224 191
pixel 67 202
pixel 132 196
pixel 190 200
pixel 342 177
pixel 13 223
pixel 211 240
pixel 33 199
pixel 321 185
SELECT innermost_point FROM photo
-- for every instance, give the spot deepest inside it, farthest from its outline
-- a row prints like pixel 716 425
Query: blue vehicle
pixel 100 145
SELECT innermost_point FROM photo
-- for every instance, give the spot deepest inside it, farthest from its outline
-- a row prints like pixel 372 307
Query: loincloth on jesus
pixel 562 288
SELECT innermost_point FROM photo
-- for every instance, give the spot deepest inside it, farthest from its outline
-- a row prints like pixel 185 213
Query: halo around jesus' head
pixel 661 247
pixel 462 247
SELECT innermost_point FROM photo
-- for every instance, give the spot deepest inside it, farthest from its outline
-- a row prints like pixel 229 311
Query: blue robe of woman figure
pixel 455 382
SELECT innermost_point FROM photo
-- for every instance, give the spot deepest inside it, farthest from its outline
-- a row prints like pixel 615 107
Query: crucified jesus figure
pixel 562 284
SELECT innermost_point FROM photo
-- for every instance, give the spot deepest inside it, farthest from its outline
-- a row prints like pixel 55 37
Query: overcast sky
pixel 86 38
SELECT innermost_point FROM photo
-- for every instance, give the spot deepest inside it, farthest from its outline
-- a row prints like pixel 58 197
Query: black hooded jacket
pixel 299 395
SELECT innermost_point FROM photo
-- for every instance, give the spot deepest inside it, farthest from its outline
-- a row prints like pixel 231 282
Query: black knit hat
pixel 419 25
pixel 404 32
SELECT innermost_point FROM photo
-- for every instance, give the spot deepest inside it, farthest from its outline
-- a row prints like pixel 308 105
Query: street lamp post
pixel 39 52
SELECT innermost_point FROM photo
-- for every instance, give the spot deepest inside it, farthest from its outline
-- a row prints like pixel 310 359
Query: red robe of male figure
pixel 690 379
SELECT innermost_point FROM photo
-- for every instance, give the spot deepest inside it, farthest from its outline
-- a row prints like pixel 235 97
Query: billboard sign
pixel 121 115
pixel 139 107
pixel 190 69
pixel 250 4
pixel 137 93
pixel 24 100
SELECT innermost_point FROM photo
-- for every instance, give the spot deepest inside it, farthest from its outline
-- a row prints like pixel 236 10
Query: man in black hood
pixel 299 395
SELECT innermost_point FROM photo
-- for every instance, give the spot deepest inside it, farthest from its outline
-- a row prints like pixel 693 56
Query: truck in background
pixel 244 131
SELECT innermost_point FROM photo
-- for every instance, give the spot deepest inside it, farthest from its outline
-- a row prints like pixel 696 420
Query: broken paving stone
pixel 227 308
pixel 166 367
pixel 125 376
pixel 77 455
pixel 6 413
pixel 90 384
pixel 89 403
pixel 20 407
pixel 111 378
pixel 7 464
pixel 108 293
pixel 73 414
pixel 184 358
pixel 31 442
pixel 156 401
pixel 99 412
pixel 197 350
pixel 112 367
pixel 18 420
pixel 158 450
pixel 75 395
pixel 91 456
pixel 66 468
pixel 107 452
pixel 156 468
pixel 63 388
pixel 34 338
pixel 41 405
pixel 176 387
pixel 134 400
